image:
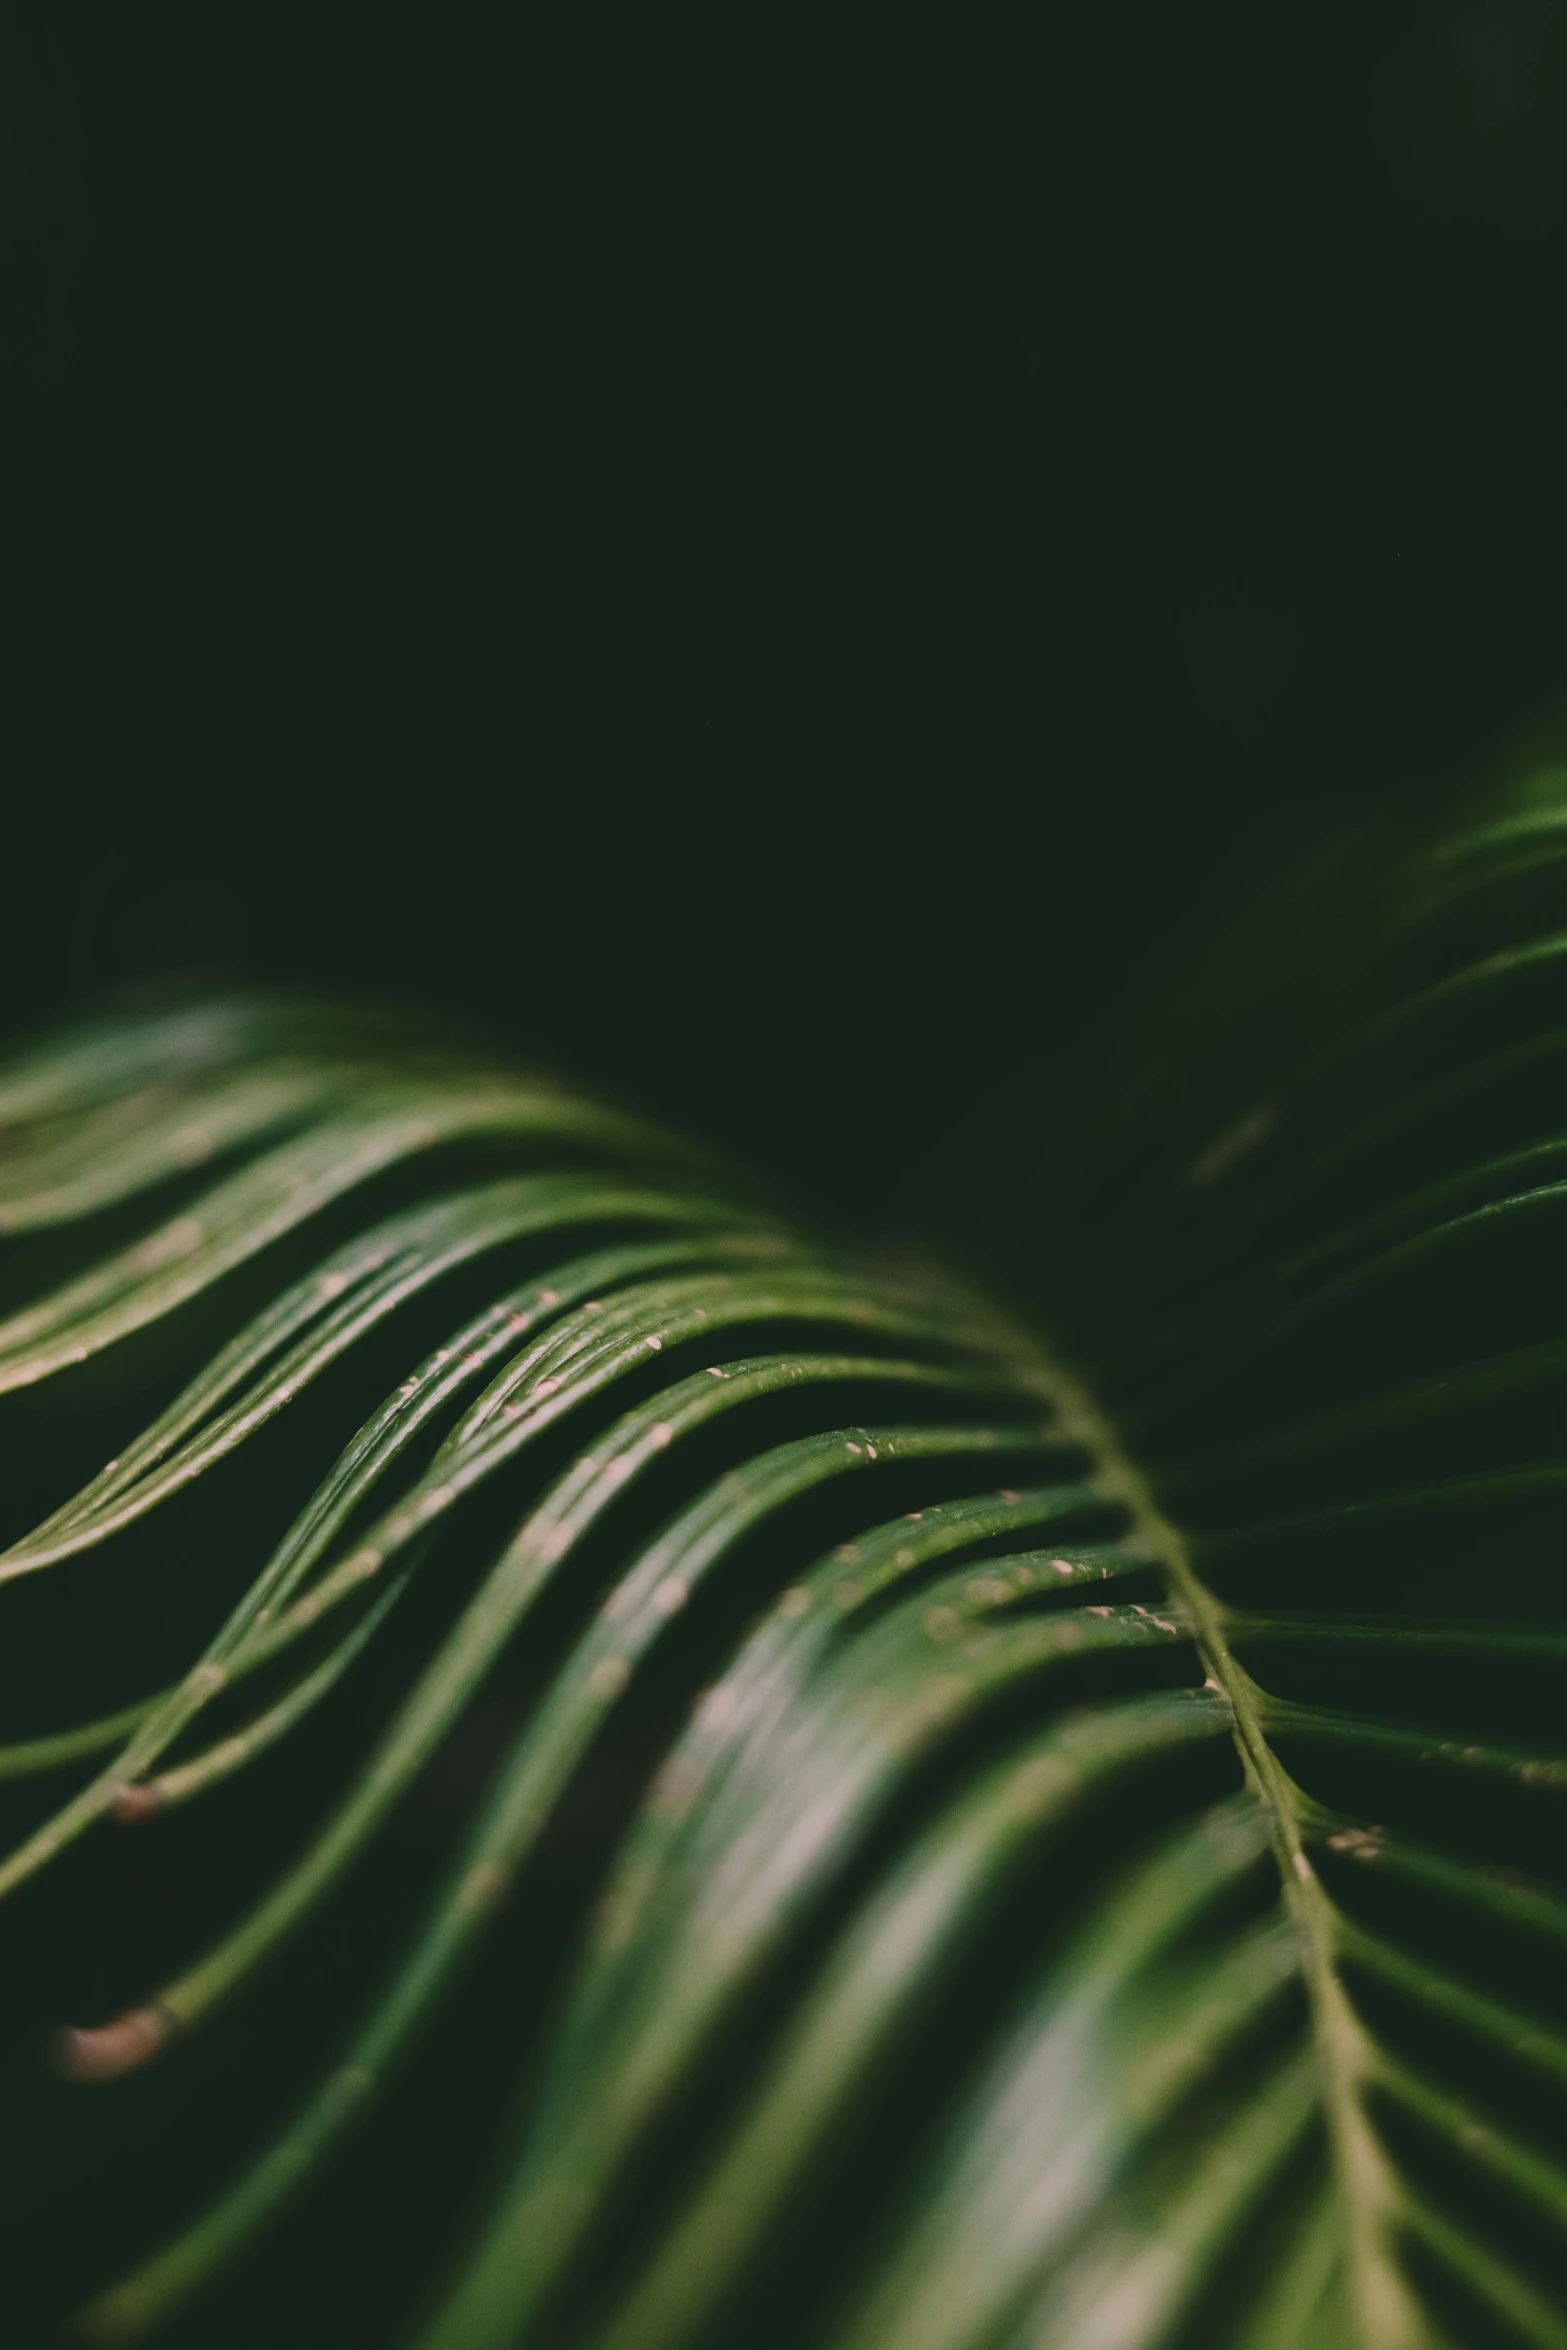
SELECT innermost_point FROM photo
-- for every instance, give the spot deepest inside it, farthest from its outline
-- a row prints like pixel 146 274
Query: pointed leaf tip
pixel 107 2051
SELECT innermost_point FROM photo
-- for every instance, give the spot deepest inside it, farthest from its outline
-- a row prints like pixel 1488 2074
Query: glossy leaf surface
pixel 897 1830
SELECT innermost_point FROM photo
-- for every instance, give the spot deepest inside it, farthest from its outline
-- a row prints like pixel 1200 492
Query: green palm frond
pixel 913 1837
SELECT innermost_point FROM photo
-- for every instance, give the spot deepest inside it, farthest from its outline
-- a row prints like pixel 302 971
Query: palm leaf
pixel 930 1838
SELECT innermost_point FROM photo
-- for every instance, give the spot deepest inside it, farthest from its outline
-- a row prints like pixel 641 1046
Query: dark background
pixel 788 557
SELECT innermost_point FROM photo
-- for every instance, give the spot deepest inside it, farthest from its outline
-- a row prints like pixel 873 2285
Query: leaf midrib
pixel 1370 2196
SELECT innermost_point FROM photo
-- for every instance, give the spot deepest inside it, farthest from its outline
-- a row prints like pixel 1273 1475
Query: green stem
pixel 1386 2311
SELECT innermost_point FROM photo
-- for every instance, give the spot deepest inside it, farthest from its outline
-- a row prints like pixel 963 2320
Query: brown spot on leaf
pixel 103 2054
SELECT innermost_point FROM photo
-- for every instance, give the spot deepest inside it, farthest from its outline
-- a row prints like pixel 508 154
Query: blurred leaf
pixel 1054 1847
